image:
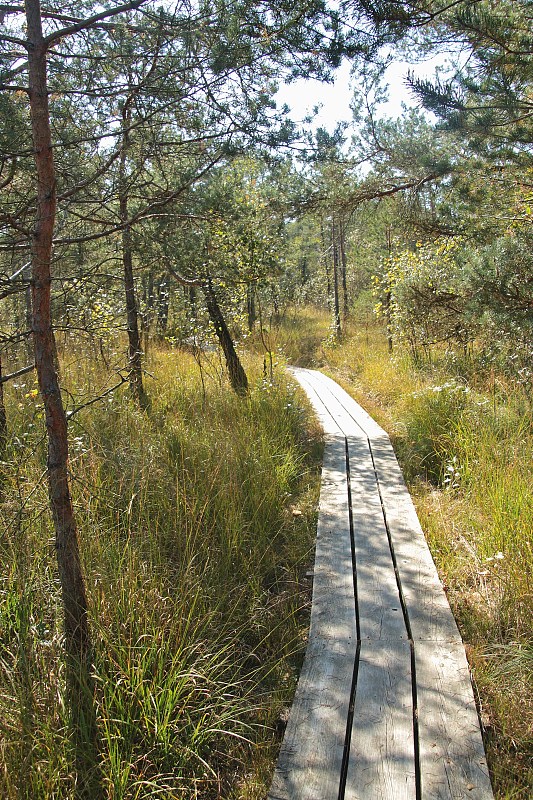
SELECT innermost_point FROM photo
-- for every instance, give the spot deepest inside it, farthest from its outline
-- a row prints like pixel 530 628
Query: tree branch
pixel 122 381
pixel 184 281
pixel 87 23
pixel 17 374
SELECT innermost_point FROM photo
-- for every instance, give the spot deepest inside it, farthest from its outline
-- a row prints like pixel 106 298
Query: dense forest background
pixel 169 240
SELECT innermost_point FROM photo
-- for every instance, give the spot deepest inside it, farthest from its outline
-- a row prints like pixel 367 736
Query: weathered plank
pixel 452 761
pixel 356 412
pixel 334 406
pixel 452 758
pixel 382 762
pixel 310 761
pixel 378 598
pixel 427 606
pixel 399 594
pixel 329 425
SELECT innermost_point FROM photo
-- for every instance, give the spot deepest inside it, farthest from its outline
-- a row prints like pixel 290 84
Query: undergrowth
pixel 196 525
pixel 195 566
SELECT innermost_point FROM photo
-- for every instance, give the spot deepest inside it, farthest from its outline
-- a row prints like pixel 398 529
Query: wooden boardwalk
pixel 384 708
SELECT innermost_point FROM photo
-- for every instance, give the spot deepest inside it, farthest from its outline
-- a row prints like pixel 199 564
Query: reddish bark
pixel 74 598
pixel 80 690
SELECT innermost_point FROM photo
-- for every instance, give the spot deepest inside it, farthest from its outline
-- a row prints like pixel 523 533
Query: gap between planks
pixel 384 706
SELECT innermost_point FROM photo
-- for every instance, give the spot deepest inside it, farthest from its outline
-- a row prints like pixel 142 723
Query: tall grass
pixel 464 438
pixel 195 568
pixel 299 336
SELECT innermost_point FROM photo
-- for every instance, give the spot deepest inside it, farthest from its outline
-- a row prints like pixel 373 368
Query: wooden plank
pixel 427 606
pixel 335 407
pixel 379 605
pixel 310 761
pixel 357 412
pixel 381 764
pixel 452 758
pixel 429 613
pixel 382 760
pixel 327 421
pixel 378 598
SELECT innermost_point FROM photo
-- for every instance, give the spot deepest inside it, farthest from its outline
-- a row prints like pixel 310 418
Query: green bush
pixel 430 421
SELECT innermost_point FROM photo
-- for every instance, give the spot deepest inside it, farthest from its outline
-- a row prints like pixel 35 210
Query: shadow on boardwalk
pixel 384 708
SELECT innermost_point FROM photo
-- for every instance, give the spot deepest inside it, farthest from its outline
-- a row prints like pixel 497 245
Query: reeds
pixel 195 569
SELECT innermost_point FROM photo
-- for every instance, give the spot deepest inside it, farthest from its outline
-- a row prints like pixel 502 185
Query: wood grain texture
pixel 393 566
pixel 305 379
pixel 336 410
pixel 356 412
pixel 310 761
pixel 378 598
pixel 382 765
pixel 427 606
pixel 452 758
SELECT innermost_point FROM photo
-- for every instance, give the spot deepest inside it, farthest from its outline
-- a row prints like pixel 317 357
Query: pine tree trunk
pixel 388 299
pixel 250 306
pixel 237 375
pixel 192 309
pixel 342 247
pixel 336 304
pixel 77 640
pixel 147 317
pixel 325 261
pixel 134 337
pixel 163 301
pixel 28 312
pixel 388 316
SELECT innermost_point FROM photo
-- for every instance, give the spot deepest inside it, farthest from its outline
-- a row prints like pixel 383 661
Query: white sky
pixel 334 99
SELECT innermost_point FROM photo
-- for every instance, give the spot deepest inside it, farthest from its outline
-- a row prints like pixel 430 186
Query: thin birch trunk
pixel 325 261
pixel 336 304
pixel 342 247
